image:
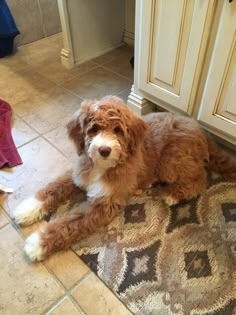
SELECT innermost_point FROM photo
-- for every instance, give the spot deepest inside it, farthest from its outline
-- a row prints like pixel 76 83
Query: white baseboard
pixel 129 38
pixel 97 54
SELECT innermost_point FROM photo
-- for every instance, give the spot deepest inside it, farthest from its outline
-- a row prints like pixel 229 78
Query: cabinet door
pixel 170 35
pixel 218 104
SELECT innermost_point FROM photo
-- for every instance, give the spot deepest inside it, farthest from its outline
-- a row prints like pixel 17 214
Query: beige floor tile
pixel 28 230
pixel 60 139
pixel 122 66
pixel 45 113
pixel 67 267
pixel 12 64
pixel 57 38
pixel 21 132
pixel 95 298
pixel 111 55
pixel 66 307
pixel 84 67
pixel 41 164
pixel 97 83
pixel 124 94
pixel 41 51
pixel 107 57
pixel 24 288
pixel 55 72
pixel 3 218
pixel 23 85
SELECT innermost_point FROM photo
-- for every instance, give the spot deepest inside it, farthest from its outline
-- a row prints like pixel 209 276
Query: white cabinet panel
pixel 165 45
pixel 218 104
pixel 170 38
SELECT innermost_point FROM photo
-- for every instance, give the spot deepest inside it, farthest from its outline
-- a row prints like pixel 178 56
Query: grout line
pixel 43 136
pixel 6 213
pixel 55 304
pixel 55 147
pixel 71 92
pixel 60 85
pixel 76 304
pixel 112 58
pixel 27 142
pixel 26 122
pixel 87 275
pixel 7 223
pixel 78 76
pixel 120 75
pixel 3 227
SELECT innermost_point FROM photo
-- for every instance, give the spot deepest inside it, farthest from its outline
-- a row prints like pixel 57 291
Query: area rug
pixel 177 260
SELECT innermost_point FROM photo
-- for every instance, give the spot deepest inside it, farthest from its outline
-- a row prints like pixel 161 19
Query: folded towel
pixel 8 152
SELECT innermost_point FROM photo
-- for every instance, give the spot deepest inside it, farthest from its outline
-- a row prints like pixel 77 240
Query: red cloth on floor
pixel 8 152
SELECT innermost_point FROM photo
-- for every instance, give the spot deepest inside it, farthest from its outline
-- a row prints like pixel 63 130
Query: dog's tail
pixel 220 162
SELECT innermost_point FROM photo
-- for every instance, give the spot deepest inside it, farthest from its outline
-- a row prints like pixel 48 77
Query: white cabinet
pixel 218 104
pixel 185 60
pixel 170 35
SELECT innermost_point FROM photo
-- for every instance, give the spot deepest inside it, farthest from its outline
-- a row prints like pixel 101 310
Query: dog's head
pixel 107 131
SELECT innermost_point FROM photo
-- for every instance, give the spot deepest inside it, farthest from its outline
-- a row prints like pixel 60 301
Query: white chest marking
pixel 92 183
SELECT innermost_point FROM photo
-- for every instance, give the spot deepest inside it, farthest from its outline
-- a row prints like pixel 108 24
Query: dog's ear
pixel 136 130
pixel 75 127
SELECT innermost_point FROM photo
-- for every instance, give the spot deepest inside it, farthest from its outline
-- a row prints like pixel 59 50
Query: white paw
pixel 29 211
pixel 170 201
pixel 33 248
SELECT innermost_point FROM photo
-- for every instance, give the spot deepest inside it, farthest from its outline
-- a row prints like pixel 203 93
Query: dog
pixel 119 152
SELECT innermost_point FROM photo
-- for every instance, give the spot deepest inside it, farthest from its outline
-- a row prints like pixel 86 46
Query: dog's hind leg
pixel 185 178
pixel 182 190
pixel 50 197
pixel 61 232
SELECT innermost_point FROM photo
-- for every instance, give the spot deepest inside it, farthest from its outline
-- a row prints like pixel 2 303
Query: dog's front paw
pixel 170 200
pixel 29 211
pixel 33 247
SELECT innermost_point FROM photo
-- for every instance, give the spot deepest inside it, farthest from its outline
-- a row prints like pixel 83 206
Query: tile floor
pixel 43 95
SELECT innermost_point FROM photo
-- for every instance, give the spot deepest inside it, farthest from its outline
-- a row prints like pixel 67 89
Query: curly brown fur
pixel 117 153
pixel 57 192
pixel 61 232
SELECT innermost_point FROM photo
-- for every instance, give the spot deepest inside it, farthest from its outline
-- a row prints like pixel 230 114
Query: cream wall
pixel 129 21
pixel 95 26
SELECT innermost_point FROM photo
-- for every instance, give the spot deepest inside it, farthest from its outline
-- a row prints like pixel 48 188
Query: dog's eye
pixel 94 129
pixel 117 130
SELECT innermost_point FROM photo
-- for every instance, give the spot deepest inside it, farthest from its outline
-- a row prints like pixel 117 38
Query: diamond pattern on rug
pixel 229 211
pixel 181 214
pixel 140 266
pixel 197 264
pixel 135 213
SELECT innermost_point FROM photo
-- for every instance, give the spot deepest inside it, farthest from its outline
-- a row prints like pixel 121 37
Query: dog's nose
pixel 104 151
